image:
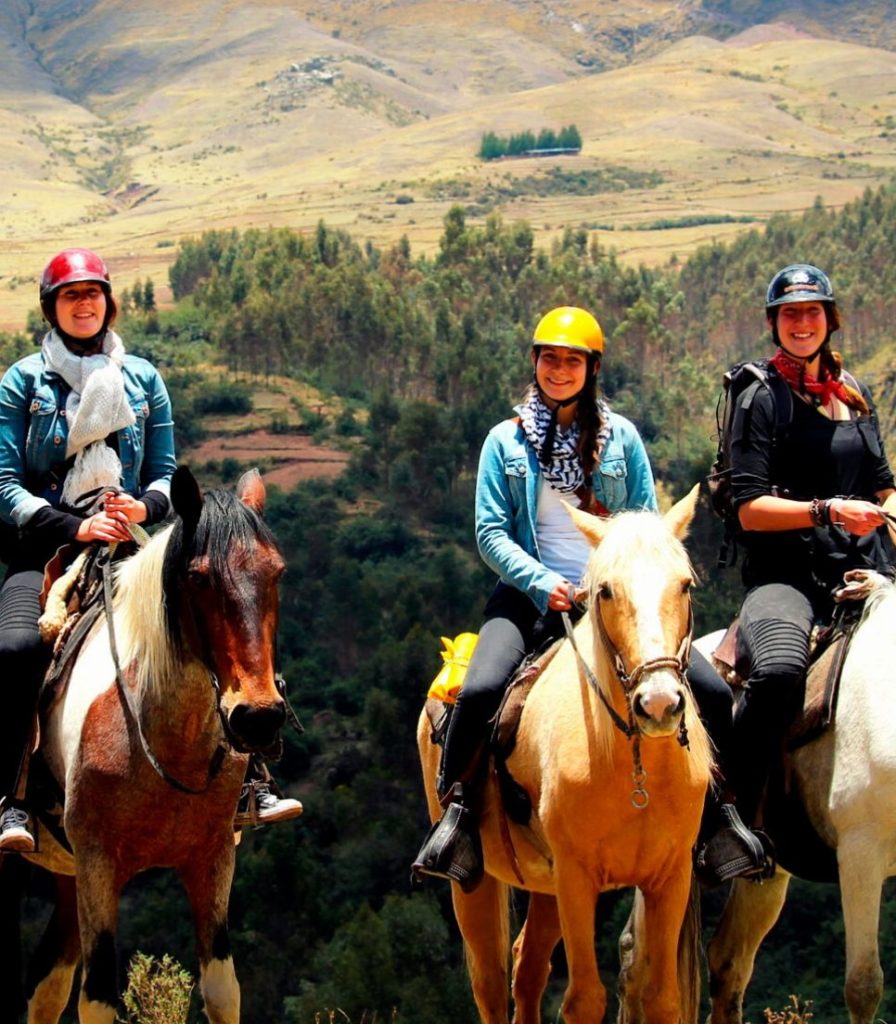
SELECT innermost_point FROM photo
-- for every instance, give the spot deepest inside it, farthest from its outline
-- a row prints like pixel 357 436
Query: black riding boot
pixel 453 849
pixel 727 849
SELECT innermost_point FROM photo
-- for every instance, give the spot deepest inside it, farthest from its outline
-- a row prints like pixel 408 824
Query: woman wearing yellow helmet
pixel 563 444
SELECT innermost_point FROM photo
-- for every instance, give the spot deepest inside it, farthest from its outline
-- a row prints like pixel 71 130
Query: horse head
pixel 639 581
pixel 221 592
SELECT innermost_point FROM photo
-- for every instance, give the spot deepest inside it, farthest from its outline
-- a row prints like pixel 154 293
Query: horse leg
pixel 208 890
pixel 750 912
pixel 585 1000
pixel 13 881
pixel 664 914
pixel 632 963
pixel 483 919
pixel 52 970
pixel 532 957
pixel 98 893
pixel 861 879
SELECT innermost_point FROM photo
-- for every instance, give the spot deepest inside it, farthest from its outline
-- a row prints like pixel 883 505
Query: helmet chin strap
pixel 547 450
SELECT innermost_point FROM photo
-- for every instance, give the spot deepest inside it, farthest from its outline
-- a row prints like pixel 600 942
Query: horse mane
pixel 639 537
pixel 149 586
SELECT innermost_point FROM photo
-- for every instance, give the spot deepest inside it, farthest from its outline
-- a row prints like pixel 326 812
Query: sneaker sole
pixel 15 841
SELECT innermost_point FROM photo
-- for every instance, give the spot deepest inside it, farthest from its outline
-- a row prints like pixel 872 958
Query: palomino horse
pixel 845 782
pixel 608 810
pixel 150 738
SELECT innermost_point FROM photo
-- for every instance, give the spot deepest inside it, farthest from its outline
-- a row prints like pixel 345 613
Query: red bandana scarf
pixel 794 372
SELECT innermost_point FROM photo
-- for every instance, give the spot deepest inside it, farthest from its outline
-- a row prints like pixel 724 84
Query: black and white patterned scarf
pixel 559 459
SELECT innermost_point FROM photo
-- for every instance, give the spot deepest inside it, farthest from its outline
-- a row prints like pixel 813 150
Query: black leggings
pixel 24 658
pixel 513 628
pixel 773 639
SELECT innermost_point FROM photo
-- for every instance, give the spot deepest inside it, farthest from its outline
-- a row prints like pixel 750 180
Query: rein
pixel 628 681
pixel 217 759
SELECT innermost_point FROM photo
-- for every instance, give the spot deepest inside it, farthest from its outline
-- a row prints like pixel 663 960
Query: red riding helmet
pixel 66 267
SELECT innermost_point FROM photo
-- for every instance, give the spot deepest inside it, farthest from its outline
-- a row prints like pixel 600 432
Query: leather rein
pixel 678 663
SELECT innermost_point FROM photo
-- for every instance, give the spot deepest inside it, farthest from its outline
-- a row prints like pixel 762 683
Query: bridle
pixel 227 743
pixel 629 680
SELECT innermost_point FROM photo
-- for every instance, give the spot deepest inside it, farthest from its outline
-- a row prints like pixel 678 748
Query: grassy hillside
pixel 129 128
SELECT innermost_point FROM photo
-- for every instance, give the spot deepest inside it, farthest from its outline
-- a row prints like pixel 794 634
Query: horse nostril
pixel 658 706
pixel 257 727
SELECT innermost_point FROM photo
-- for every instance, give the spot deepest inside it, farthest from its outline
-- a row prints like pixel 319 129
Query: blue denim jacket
pixel 507 498
pixel 34 432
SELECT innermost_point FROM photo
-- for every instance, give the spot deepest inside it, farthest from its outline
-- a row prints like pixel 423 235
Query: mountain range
pixel 126 126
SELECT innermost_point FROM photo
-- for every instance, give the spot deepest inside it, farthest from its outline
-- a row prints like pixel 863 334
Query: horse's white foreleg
pixel 208 890
pixel 532 957
pixel 57 955
pixel 862 872
pixel 750 912
pixel 586 998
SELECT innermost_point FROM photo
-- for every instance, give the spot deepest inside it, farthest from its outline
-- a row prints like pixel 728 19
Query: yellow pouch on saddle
pixel 456 654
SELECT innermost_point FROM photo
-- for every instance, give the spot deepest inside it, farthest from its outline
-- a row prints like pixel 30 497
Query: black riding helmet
pixel 801 282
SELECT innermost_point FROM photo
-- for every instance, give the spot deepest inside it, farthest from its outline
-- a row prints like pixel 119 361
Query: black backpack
pixel 735 382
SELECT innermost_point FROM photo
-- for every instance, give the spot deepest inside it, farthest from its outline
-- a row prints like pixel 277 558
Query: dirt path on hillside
pixel 295 456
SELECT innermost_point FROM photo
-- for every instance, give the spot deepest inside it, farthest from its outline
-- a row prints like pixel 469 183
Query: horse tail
pixel 690 957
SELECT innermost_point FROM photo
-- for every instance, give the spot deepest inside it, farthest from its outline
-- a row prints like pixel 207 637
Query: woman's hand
pixel 124 508
pixel 559 598
pixel 104 528
pixel 856 516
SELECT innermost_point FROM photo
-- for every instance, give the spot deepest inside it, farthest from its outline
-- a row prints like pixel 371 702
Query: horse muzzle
pixel 658 703
pixel 253 727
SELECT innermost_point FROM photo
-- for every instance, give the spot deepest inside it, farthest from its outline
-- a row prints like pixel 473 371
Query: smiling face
pixel 560 372
pixel 81 309
pixel 802 328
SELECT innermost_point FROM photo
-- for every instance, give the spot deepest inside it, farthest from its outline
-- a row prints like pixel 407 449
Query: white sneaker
pixel 15 835
pixel 259 805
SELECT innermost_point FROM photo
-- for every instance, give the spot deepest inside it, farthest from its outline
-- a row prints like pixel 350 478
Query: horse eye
pixel 686 586
pixel 197 578
pixel 604 591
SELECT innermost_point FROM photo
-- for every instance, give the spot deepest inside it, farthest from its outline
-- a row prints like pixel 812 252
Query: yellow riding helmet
pixel 569 327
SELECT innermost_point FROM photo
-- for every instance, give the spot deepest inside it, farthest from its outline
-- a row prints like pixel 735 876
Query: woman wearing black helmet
pixel 809 500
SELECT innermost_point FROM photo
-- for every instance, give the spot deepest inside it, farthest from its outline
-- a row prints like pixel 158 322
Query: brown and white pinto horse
pixel 616 798
pixel 152 761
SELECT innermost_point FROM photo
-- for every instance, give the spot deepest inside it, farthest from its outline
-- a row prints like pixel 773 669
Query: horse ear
pixel 593 527
pixel 186 497
pixel 679 517
pixel 251 491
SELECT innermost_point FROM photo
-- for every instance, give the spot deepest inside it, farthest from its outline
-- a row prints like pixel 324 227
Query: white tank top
pixel 560 545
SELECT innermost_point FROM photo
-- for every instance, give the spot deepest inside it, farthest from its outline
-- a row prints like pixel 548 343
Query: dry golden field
pixel 126 130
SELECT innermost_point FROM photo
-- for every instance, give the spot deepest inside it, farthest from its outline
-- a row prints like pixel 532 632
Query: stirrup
pixel 452 849
pixel 734 851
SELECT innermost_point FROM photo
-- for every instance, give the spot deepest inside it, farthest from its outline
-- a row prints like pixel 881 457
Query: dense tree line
pixel 493 146
pixel 381 562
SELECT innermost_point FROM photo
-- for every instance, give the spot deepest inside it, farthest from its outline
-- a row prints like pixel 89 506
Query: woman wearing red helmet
pixel 86 450
pixel 811 504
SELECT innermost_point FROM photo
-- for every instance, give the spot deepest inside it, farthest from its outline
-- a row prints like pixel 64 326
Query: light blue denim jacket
pixel 34 432
pixel 507 498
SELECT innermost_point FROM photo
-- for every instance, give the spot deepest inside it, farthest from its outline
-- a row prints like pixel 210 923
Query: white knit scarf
pixel 97 406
